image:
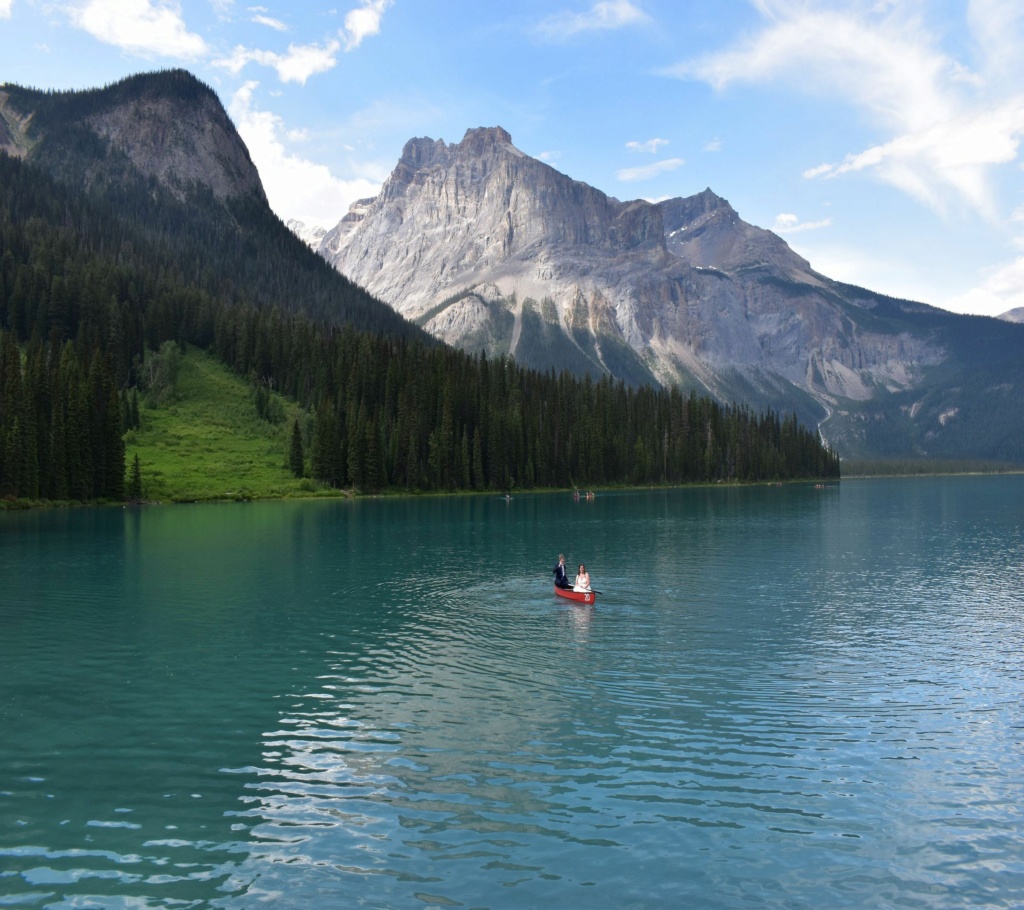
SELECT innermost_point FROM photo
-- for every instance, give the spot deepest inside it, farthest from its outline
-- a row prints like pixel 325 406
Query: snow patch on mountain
pixel 312 235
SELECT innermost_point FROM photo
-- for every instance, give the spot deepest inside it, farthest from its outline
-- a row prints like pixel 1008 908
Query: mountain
pixel 1014 315
pixel 157 154
pixel 311 235
pixel 488 248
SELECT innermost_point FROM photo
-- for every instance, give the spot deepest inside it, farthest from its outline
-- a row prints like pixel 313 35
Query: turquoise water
pixel 787 697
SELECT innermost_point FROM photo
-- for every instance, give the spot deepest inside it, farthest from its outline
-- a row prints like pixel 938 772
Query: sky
pixel 880 138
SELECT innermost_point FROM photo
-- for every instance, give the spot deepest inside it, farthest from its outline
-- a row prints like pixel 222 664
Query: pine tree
pixel 325 448
pixel 135 480
pixel 296 458
pixel 11 414
pixel 479 479
pixel 114 476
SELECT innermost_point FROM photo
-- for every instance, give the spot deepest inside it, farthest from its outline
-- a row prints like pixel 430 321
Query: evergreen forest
pixel 94 284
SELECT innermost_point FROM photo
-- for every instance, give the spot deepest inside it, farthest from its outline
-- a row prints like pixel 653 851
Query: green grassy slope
pixel 208 443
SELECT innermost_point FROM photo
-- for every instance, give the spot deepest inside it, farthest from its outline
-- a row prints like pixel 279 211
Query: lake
pixel 785 696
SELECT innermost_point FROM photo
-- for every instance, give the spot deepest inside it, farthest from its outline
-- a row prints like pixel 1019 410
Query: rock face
pixel 181 146
pixel 480 212
pixel 489 248
pixel 168 126
pixel 14 139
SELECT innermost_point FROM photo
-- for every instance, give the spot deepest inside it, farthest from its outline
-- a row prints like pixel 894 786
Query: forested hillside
pixel 93 282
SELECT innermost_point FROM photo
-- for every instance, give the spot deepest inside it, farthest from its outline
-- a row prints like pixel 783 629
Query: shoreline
pixel 23 505
pixel 352 495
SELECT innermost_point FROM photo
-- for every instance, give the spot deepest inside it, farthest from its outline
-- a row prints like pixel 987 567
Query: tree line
pixel 390 413
pixel 85 301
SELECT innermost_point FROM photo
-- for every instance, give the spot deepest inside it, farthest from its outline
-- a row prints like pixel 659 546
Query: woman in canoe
pixel 582 579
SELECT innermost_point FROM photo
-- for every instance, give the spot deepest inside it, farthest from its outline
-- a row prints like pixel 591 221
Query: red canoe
pixel 584 597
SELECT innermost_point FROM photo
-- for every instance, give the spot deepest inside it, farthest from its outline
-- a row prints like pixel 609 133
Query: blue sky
pixel 880 138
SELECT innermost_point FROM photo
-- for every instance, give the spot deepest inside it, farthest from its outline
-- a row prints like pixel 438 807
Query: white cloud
pixel 301 61
pixel 997 27
pixel 139 27
pixel 952 155
pixel 549 156
pixel 305 60
pixel 5 8
pixel 787 223
pixel 297 188
pixel 260 18
pixel 651 145
pixel 949 125
pixel 715 145
pixel 606 15
pixel 882 63
pixel 363 22
pixel 819 171
pixel 631 174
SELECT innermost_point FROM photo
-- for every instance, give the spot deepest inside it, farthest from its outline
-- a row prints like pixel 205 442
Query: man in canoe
pixel 561 579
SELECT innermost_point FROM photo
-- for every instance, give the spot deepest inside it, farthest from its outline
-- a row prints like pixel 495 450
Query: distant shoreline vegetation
pixel 923 467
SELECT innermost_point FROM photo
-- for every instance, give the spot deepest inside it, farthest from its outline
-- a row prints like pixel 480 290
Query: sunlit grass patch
pixel 208 442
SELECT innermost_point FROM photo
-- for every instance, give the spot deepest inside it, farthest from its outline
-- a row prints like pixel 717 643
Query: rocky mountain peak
pixel 705 231
pixel 169 125
pixel 685 211
pixel 422 152
pixel 486 139
pixel 465 212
